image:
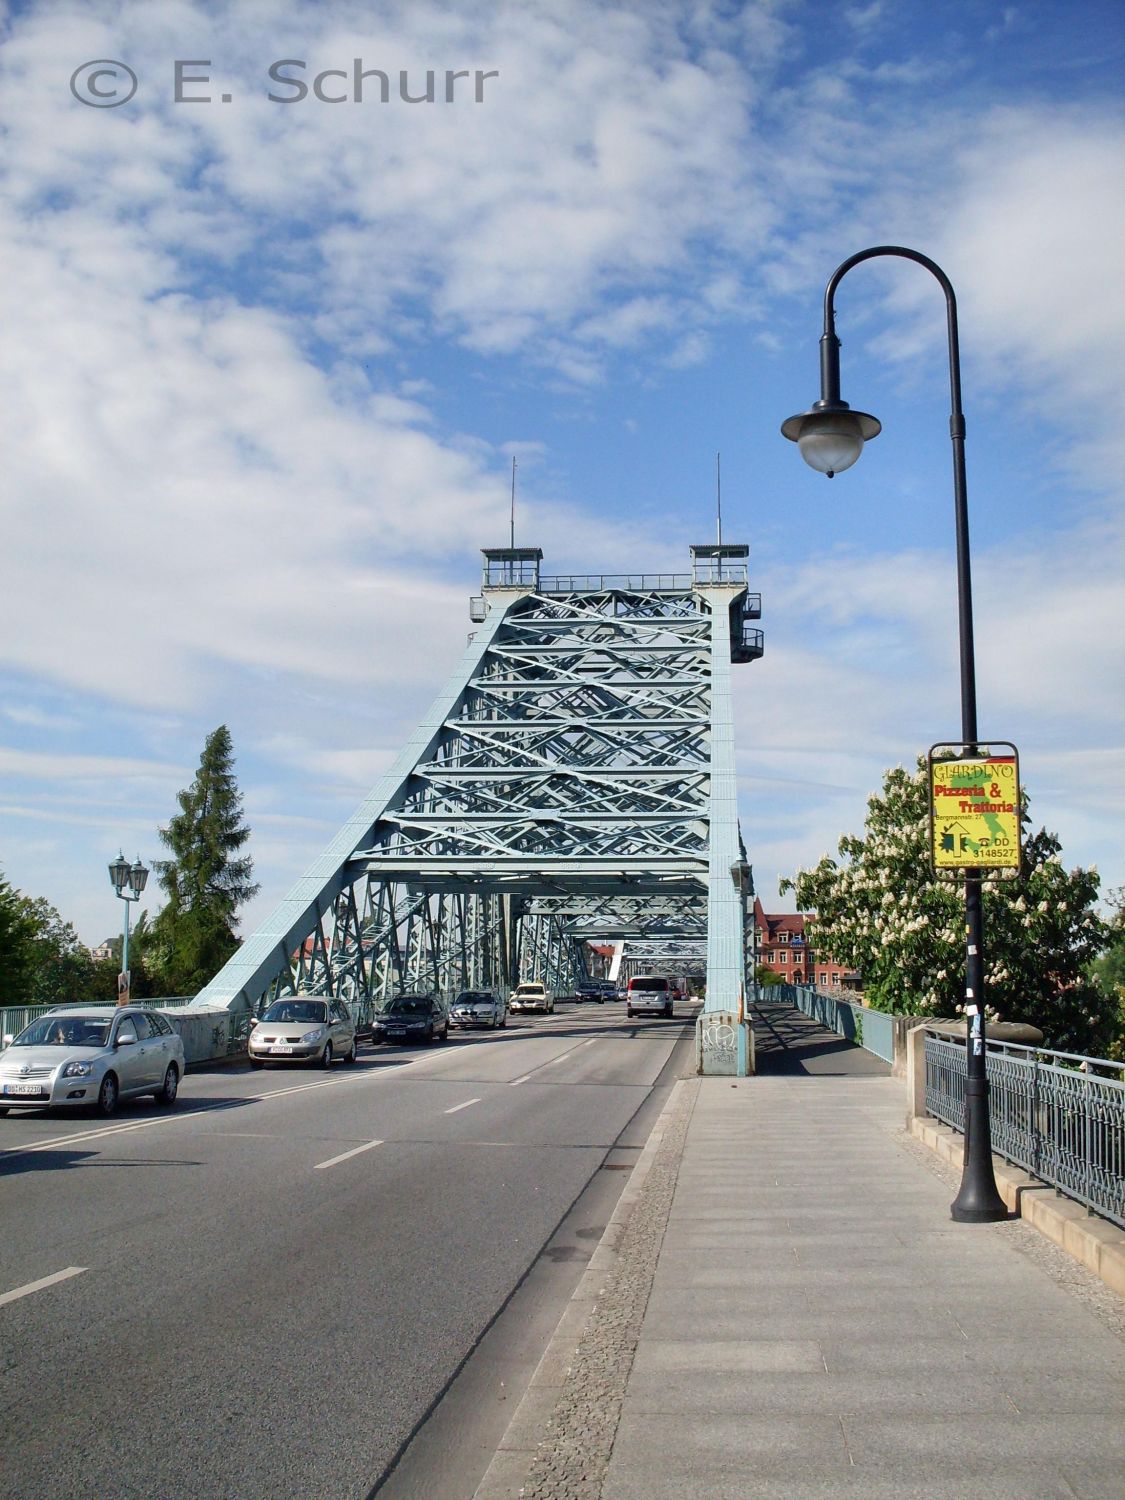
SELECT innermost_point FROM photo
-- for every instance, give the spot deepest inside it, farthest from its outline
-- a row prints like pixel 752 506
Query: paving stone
pixel 789 1311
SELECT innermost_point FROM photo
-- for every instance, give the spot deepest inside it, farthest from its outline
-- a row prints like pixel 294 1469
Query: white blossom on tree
pixel 878 909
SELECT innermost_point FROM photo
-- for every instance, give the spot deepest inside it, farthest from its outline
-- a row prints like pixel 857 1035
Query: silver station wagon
pixel 91 1056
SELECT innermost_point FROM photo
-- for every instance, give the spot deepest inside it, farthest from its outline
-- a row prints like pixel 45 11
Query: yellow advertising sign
pixel 974 810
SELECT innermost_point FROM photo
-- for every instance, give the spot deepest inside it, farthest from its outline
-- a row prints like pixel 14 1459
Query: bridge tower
pixel 573 782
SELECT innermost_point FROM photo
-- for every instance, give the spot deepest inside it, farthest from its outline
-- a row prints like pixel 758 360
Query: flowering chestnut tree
pixel 879 909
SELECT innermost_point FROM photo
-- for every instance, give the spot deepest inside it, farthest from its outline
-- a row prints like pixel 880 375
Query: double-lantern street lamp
pixel 128 881
pixel 830 436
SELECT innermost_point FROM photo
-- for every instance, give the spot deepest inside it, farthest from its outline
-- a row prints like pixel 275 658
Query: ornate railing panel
pixel 1059 1115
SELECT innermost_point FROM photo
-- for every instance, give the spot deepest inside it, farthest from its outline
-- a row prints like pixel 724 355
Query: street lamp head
pixel 137 877
pixel 119 873
pixel 830 435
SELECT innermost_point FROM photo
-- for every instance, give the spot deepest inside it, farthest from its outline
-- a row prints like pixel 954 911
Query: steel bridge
pixel 573 783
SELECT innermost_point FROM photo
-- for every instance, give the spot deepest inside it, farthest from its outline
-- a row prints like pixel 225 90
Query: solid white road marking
pixel 204 1109
pixel 466 1104
pixel 37 1286
pixel 344 1155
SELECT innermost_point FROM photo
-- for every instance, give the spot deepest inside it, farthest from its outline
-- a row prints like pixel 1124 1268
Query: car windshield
pixel 409 1005
pixel 649 984
pixel 61 1031
pixel 288 1011
pixel 472 998
pixel 530 989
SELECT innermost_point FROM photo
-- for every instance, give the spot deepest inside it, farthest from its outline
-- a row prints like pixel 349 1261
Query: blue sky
pixel 264 367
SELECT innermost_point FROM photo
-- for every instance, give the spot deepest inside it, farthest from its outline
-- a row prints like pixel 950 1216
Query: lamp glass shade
pixel 137 877
pixel 119 873
pixel 830 441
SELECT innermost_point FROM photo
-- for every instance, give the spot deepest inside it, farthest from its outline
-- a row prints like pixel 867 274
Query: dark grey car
pixel 414 1018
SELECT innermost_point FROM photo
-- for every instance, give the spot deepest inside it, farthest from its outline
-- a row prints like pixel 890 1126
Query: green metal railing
pixel 1058 1115
pixel 873 1030
pixel 13 1018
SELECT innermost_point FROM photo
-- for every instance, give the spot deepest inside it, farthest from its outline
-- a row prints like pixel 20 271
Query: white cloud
pixel 232 494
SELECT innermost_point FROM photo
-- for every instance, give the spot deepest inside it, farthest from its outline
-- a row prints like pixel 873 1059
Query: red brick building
pixel 782 947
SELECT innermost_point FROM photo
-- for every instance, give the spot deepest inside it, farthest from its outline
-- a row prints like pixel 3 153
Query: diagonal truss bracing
pixel 574 782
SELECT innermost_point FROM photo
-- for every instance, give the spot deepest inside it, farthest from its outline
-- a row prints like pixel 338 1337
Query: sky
pixel 264 364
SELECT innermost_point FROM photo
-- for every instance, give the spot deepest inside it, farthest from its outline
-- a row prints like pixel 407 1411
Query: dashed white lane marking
pixel 344 1155
pixel 190 1114
pixel 38 1286
pixel 466 1104
pixel 550 1064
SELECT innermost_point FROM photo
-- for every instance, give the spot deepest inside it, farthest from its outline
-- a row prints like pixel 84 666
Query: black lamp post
pixel 831 437
pixel 128 881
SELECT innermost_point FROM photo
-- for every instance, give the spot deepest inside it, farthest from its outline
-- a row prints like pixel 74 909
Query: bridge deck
pixel 818 1326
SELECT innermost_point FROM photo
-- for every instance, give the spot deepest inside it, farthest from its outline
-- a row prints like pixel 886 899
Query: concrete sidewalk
pixel 782 1306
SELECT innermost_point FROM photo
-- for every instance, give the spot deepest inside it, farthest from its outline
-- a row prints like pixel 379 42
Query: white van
pixel 649 994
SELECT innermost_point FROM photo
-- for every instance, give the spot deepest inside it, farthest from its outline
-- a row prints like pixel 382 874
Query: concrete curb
pixel 508 1472
pixel 1094 1242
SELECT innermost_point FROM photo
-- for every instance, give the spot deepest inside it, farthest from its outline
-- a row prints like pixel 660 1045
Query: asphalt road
pixel 273 1287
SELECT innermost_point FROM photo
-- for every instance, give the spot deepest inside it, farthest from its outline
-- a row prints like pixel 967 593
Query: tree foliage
pixel 16 952
pixel 62 967
pixel 1108 971
pixel 206 880
pixel 879 910
pixel 42 960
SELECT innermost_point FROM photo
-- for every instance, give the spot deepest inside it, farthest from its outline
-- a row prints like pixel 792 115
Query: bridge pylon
pixel 574 782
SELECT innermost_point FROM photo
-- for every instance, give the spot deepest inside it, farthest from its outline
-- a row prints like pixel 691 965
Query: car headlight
pixel 314 1036
pixel 78 1070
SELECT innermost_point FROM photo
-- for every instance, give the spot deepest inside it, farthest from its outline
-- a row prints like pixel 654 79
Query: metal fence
pixel 1060 1116
pixel 593 583
pixel 13 1018
pixel 873 1030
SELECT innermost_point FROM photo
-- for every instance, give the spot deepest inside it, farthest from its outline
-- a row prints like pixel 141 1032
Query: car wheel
pixel 108 1095
pixel 326 1056
pixel 166 1093
pixel 3 1109
pixel 354 1052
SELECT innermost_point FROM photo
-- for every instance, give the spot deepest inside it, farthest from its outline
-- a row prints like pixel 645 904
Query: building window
pixel 783 937
pixel 784 958
pixel 824 976
pixel 836 979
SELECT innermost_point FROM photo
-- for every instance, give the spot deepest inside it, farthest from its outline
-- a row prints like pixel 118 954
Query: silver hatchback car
pixel 92 1056
pixel 303 1028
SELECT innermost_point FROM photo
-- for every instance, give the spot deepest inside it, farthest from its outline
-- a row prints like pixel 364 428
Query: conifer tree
pixel 206 880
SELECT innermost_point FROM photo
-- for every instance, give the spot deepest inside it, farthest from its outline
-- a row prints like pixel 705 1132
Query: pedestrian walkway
pixel 783 1307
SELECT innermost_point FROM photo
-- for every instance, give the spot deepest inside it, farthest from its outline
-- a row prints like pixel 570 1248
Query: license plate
pixel 26 1090
pixel 287 1050
pixel 391 1031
